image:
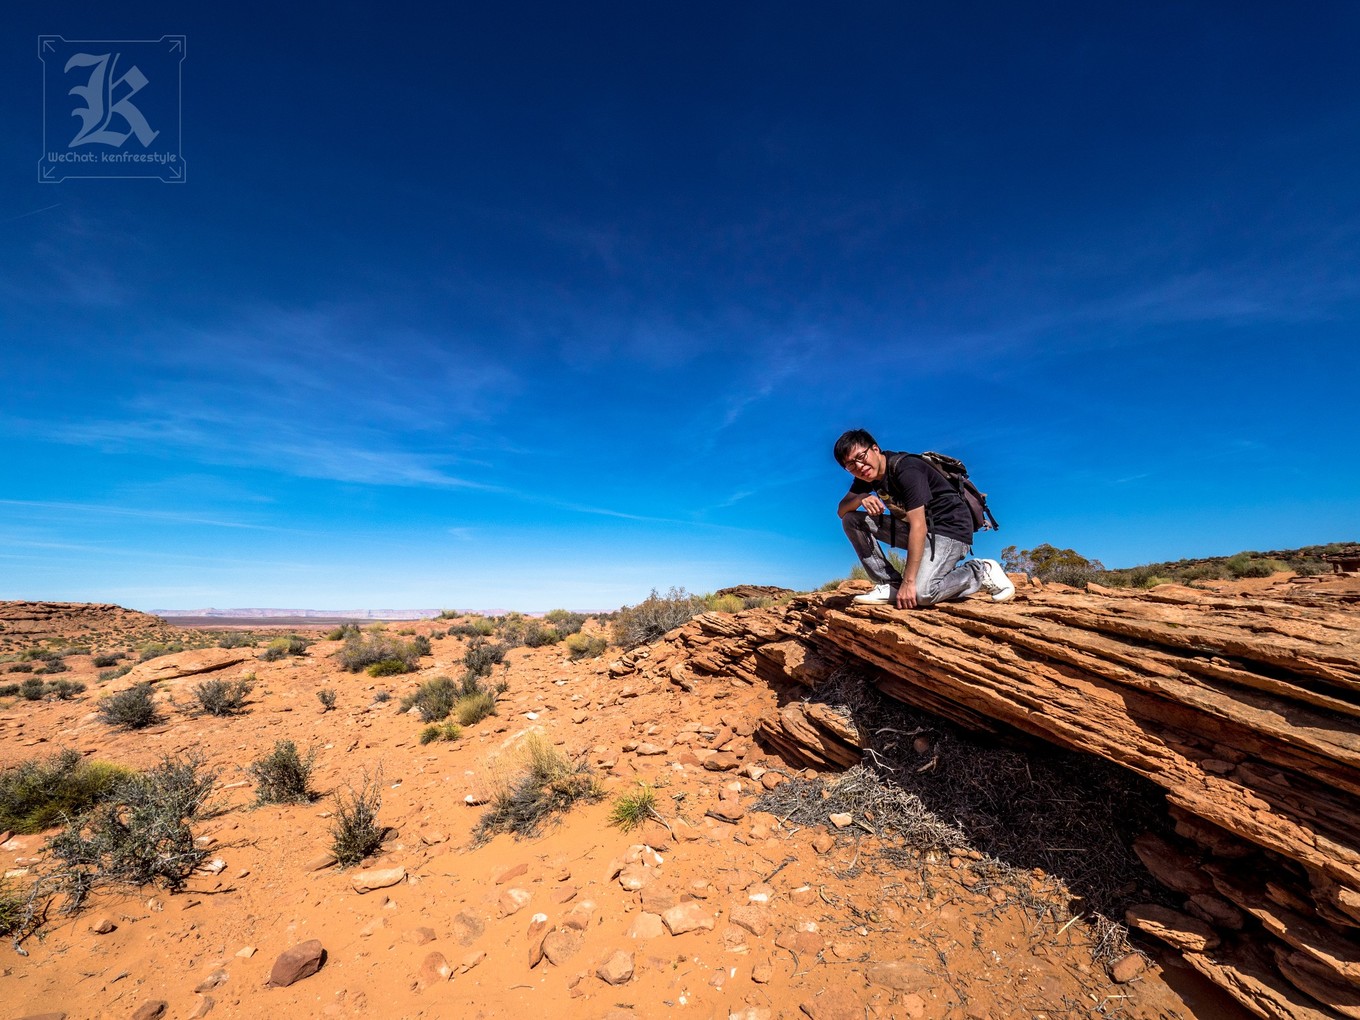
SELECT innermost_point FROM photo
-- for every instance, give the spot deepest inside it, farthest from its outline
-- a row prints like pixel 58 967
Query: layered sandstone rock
pixel 1244 708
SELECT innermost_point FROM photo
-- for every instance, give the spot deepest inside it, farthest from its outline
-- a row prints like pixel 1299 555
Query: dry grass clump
pixel 472 708
pixel 140 835
pixel 355 833
pixel 632 809
pixel 392 653
pixel 585 646
pixel 541 783
pixel 440 731
pixel 282 647
pixel 36 795
pixel 433 699
pixel 282 775
pixel 653 617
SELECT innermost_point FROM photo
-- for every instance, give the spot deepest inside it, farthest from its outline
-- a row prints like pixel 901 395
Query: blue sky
pixel 530 305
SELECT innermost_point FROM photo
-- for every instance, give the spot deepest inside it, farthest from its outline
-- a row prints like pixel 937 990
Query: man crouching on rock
pixel 929 520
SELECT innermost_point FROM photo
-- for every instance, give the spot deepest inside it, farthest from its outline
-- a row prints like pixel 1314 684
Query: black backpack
pixel 957 476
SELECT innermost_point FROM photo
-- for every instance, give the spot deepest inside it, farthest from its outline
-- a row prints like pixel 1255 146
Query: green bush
pixel 9 690
pixel 234 639
pixel 565 623
pixel 38 654
pixel 33 689
pixel 355 833
pixel 655 616
pixel 102 661
pixel 479 627
pixel 113 674
pixel 585 646
pixel 434 699
pixel 282 775
pixel 132 709
pixel 55 666
pixel 65 690
pixel 343 632
pixel 223 697
pixel 36 795
pixel 724 604
pixel 510 628
pixel 536 635
pixel 473 708
pixel 482 656
pixel 359 652
pixel 1246 565
pixel 388 667
pixel 440 731
pixel 21 667
pixel 282 647
pixel 141 834
pixel 327 698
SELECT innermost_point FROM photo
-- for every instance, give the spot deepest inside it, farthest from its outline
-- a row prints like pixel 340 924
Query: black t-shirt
pixel 909 482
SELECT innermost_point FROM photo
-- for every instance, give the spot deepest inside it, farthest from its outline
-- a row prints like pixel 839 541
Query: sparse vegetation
pixel 724 603
pixel 480 626
pixel 132 709
pixel 38 794
pixel 434 699
pixel 327 698
pixel 473 708
pixel 282 647
pixel 104 661
pixel 564 622
pixel 482 656
pixel 359 653
pixel 388 667
pixel 113 674
pixel 537 634
pixel 343 632
pixel 632 809
pixel 354 832
pixel 546 784
pixel 656 615
pixel 282 775
pixel 141 834
pixel 440 731
pixel 223 697
pixel 586 646
pixel 235 639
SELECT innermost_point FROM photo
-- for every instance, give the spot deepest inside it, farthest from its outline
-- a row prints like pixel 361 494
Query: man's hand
pixel 906 594
pixel 873 504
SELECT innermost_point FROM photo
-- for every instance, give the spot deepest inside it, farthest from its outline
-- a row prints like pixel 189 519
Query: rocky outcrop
pixel 1244 709
pixel 30 622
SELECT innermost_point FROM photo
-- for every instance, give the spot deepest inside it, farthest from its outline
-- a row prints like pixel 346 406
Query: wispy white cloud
pixel 95 509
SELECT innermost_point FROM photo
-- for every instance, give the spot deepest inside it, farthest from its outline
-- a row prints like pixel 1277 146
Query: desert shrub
pixel 354 832
pixel 65 690
pixel 479 627
pixel 510 629
pixel 652 618
pixel 132 709
pixel 234 639
pixel 536 635
pixel 545 785
pixel 156 649
pixel 141 834
pixel 76 650
pixel 1073 575
pixel 343 632
pixel 33 689
pixel 9 690
pixel 1246 565
pixel 388 667
pixel 38 654
pixel 382 696
pixel 434 699
pixel 724 603
pixel 585 646
pixel 1203 572
pixel 440 731
pixel 55 666
pixel 282 647
pixel 36 795
pixel 327 698
pixel 473 708
pixel 632 809
pixel 1308 568
pixel 282 775
pixel 113 674
pixel 21 667
pixel 223 697
pixel 359 653
pixel 482 656
pixel 104 661
pixel 448 614
pixel 17 916
pixel 757 602
pixel 565 623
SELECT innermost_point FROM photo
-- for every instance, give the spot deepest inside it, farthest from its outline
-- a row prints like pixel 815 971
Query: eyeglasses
pixel 860 459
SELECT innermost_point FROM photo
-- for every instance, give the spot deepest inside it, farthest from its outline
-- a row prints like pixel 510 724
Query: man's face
pixel 866 463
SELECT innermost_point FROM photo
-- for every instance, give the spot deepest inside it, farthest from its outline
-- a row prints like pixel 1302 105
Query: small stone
pixel 617 970
pixel 432 837
pixel 377 878
pixel 561 945
pixel 727 811
pixel 509 873
pixel 213 980
pixel 762 973
pixel 770 780
pixel 648 750
pixel 319 863
pixel 204 1007
pixel 1126 968
pixel 634 877
pixel 421 936
pixel 647 926
pixel 688 916
pixel 513 900
pixel 103 926
pixel 151 1010
pixel 434 970
pixel 470 961
pixel 823 842
pixel 754 919
pixel 215 866
pixel 301 961
pixel 840 820
pixel 246 952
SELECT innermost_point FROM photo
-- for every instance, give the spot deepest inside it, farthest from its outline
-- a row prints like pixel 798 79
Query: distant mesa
pixel 304 614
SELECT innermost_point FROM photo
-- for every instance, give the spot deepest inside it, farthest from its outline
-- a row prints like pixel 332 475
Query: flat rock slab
pixel 203 660
pixel 377 878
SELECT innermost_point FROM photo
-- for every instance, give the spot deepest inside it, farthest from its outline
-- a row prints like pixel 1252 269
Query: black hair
pixel 848 441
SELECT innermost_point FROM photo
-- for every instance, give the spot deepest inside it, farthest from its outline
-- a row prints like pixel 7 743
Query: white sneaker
pixel 878 594
pixel 995 582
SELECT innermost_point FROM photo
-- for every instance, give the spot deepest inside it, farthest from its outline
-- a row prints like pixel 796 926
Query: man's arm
pixel 916 552
pixel 853 500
